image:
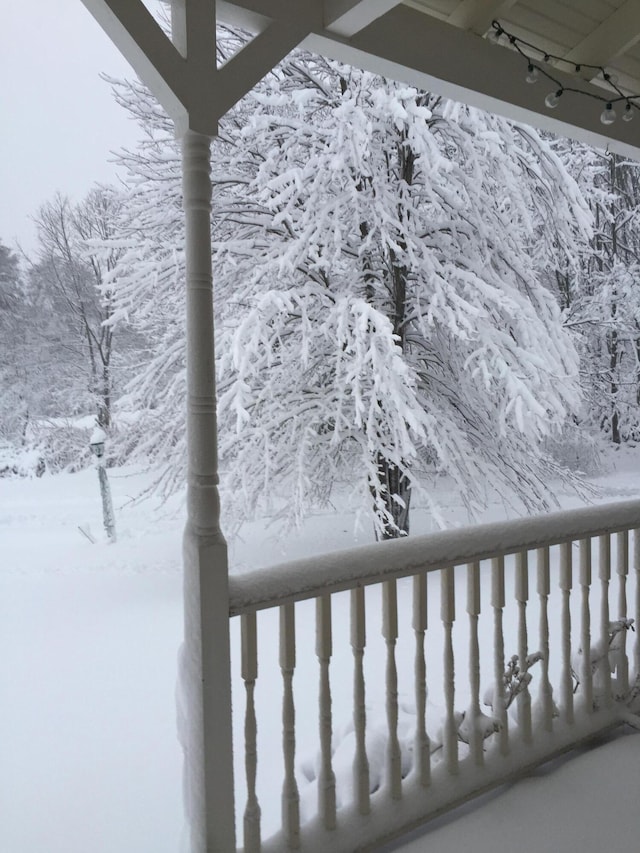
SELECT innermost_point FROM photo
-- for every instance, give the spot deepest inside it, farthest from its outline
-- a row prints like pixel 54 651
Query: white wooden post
pixel 290 795
pixel 585 636
pixel 390 634
pixel 604 573
pixel 358 643
pixel 422 744
pixel 473 610
pixel 622 569
pixel 497 602
pixel 636 565
pixel 206 673
pixel 544 589
pixel 326 776
pixel 448 616
pixel 249 676
pixel 522 596
pixel 566 581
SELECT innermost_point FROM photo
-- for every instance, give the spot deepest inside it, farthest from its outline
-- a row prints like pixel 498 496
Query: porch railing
pixel 442 705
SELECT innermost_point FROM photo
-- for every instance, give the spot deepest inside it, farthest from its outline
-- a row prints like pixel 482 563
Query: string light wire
pixel 534 71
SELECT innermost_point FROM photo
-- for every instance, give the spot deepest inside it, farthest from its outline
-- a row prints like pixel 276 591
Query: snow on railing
pixel 371 780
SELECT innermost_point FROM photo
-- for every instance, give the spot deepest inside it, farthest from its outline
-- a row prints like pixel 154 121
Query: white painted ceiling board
pixel 616 35
pixel 553 14
pixel 540 29
pixel 438 8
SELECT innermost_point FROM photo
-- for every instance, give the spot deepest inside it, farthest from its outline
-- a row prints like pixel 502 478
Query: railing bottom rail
pixel 390 820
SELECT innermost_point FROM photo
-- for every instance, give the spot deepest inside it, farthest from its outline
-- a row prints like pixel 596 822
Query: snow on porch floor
pixel 585 802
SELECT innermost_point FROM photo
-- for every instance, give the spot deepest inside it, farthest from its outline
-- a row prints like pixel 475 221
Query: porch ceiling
pixel 439 45
pixel 442 45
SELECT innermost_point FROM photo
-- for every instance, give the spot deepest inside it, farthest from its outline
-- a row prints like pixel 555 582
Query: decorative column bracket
pixel 182 73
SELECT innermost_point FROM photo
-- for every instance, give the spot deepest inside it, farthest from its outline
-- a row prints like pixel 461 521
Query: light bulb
pixel 627 115
pixel 608 115
pixel 533 74
pixel 553 99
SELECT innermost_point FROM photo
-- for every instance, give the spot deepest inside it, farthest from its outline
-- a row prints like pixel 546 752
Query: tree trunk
pixel 397 499
pixel 397 486
pixel 394 483
pixel 104 399
pixel 637 371
pixel 612 346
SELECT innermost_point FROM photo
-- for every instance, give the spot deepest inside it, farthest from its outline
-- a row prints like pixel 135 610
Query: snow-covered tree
pixel 13 407
pixel 34 354
pixel 70 272
pixel 602 297
pixel 9 281
pixel 380 262
pixel 148 284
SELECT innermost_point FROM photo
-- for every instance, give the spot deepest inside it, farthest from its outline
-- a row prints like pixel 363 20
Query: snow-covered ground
pixel 89 634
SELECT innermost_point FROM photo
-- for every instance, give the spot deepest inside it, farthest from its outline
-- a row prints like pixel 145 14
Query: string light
pixel 533 74
pixel 553 99
pixel 534 55
pixel 496 32
pixel 608 114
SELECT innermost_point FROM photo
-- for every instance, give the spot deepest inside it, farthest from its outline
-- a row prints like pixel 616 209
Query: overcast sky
pixel 59 122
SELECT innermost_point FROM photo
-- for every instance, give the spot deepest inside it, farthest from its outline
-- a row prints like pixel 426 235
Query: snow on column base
pixel 204 696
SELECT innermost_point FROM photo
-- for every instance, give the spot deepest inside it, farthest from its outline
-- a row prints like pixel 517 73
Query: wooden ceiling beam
pixel 152 55
pixel 347 17
pixel 615 35
pixel 477 15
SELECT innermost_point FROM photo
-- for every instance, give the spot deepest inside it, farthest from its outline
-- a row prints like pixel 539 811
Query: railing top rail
pixel 347 569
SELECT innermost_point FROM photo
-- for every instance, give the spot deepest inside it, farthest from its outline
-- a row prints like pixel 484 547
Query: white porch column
pixel 206 679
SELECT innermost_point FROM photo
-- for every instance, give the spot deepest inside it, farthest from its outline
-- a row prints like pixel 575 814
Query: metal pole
pixel 108 517
pixel 97 445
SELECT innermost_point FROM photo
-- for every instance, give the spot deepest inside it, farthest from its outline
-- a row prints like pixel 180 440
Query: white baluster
pixel 422 746
pixel 497 602
pixel 390 634
pixel 326 778
pixel 522 596
pixel 636 564
pixel 476 740
pixel 566 564
pixel 622 664
pixel 358 642
pixel 585 637
pixel 290 796
pixel 249 676
pixel 544 588
pixel 604 573
pixel 448 615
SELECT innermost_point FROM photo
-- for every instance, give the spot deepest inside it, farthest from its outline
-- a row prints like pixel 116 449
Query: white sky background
pixel 59 122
